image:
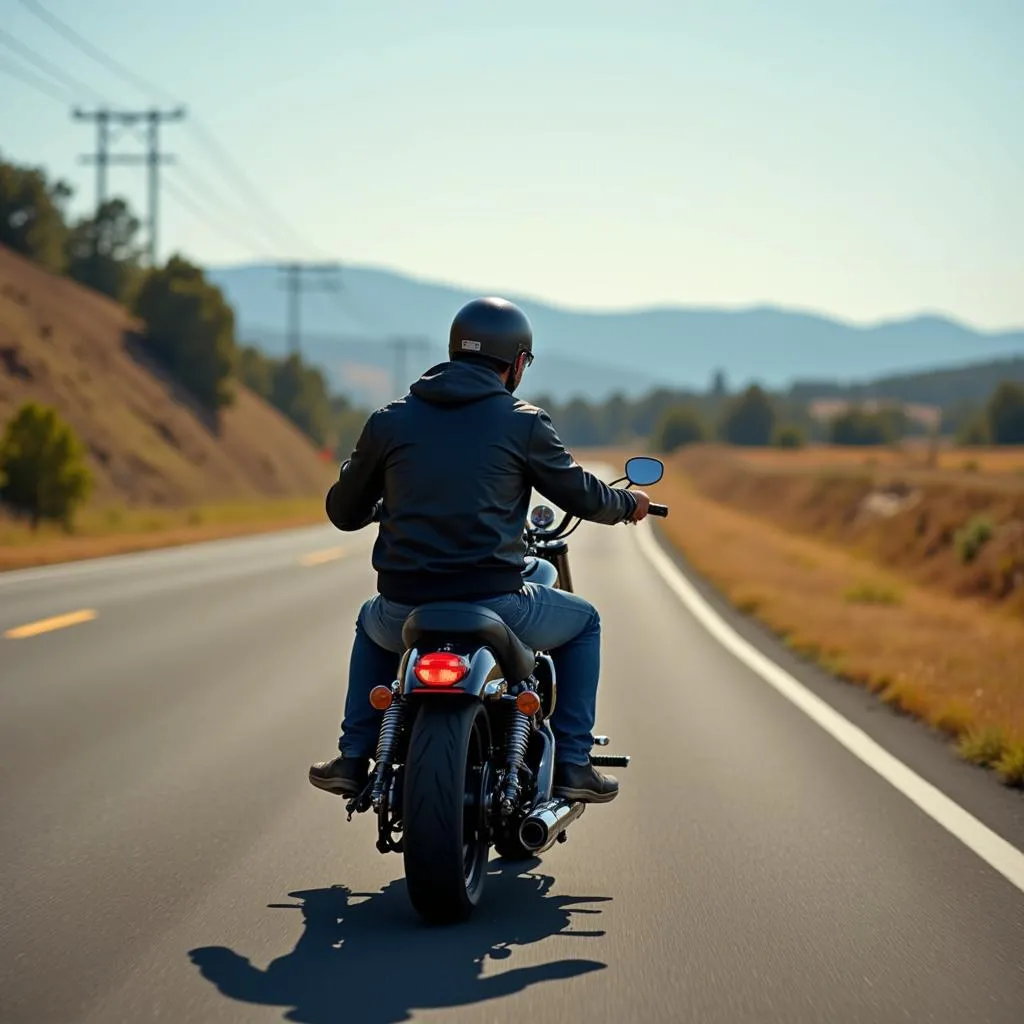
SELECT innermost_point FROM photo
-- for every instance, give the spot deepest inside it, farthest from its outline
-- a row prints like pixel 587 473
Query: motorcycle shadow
pixel 364 958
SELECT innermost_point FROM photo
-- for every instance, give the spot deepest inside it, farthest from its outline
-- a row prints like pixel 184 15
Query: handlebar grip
pixel 658 510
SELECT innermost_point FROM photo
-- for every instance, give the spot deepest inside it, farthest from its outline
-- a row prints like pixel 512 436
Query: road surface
pixel 164 858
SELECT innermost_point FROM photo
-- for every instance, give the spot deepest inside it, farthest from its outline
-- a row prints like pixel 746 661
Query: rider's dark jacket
pixel 448 471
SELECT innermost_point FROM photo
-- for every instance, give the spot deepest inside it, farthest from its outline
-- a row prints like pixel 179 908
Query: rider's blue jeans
pixel 566 626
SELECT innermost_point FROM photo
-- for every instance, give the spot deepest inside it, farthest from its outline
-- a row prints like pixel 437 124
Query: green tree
pixel 612 419
pixel 789 436
pixel 749 418
pixel 648 410
pixel 1005 413
pixel 347 425
pixel 300 392
pixel 102 251
pixel 578 424
pixel 190 330
pixel 32 217
pixel 857 427
pixel 255 370
pixel 42 466
pixel 678 426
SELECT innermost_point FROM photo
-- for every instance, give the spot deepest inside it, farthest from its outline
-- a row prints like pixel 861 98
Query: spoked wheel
pixel 446 789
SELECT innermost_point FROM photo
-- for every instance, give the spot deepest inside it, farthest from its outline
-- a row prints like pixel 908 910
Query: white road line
pixel 990 847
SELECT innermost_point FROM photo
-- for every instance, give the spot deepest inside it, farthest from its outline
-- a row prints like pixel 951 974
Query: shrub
pixel 42 466
pixel 984 747
pixel 1010 766
pixel 857 427
pixel 970 539
pixel 789 436
pixel 974 433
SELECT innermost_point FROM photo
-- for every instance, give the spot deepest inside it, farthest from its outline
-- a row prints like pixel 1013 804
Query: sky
pixel 864 160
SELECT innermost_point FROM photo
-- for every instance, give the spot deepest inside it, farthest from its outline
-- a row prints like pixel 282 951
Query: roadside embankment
pixel 909 583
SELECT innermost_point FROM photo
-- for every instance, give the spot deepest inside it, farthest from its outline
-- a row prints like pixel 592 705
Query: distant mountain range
pixel 593 354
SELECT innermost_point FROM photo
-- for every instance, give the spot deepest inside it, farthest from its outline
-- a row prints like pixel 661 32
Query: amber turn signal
pixel 528 702
pixel 381 697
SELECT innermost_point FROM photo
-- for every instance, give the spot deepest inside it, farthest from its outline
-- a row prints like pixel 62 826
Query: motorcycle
pixel 465 754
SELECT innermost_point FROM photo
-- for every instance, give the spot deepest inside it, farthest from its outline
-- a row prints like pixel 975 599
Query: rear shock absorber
pixel 516 744
pixel 389 729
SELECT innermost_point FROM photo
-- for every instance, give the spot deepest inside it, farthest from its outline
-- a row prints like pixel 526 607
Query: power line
pixel 204 214
pixel 44 65
pixel 228 168
pixel 207 139
pixel 37 83
pixel 63 28
pixel 258 217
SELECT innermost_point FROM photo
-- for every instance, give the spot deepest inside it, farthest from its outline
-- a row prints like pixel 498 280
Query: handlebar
pixel 657 510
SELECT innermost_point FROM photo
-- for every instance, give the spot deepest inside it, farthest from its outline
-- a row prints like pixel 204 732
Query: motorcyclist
pixel 447 471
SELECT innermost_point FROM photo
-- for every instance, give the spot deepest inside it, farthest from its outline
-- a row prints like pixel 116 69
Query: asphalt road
pixel 164 858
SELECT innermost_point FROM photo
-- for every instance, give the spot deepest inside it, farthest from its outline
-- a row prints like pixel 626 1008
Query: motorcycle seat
pixel 450 619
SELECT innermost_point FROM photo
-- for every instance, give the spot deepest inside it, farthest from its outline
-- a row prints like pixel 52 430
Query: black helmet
pixel 492 328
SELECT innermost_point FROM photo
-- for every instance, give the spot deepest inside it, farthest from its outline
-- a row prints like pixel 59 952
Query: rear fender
pixel 546 684
pixel 483 667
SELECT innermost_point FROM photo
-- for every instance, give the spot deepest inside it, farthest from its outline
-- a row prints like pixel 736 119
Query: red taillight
pixel 440 669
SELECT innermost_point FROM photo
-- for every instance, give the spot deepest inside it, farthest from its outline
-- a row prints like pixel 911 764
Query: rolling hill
pixel 72 348
pixel 596 353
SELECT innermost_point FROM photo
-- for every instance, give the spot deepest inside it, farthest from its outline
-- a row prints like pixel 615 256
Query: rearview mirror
pixel 643 471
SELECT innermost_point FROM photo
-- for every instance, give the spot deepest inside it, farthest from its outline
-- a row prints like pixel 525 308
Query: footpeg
pixel 610 760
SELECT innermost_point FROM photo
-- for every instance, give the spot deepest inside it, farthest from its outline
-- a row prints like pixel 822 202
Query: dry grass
pixel 117 530
pixel 951 662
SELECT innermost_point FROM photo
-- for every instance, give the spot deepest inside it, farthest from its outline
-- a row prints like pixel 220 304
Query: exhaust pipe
pixel 547 821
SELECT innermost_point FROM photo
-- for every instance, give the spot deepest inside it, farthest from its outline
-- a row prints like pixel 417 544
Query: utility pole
pixel 296 284
pixel 102 155
pixel 401 347
pixel 153 158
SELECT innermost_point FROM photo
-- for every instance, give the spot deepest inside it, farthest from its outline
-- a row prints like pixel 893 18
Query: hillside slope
pixel 67 346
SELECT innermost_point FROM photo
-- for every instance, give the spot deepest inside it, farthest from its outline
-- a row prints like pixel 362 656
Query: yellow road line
pixel 48 625
pixel 319 557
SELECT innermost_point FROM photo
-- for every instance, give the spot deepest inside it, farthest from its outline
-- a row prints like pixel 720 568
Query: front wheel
pixel 446 787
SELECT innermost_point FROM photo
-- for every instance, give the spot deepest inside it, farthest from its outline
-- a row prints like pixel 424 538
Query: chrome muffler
pixel 547 821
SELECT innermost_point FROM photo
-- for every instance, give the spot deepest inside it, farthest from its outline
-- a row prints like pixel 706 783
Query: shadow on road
pixel 366 959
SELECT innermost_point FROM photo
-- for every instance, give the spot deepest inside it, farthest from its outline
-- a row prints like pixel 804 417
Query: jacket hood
pixel 457 383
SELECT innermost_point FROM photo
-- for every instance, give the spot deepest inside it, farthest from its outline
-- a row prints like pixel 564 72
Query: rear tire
pixel 446 786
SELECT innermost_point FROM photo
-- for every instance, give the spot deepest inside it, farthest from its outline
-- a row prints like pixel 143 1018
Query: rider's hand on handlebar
pixel 643 503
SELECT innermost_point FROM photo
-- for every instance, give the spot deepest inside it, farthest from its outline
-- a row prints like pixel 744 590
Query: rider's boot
pixel 344 776
pixel 584 782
